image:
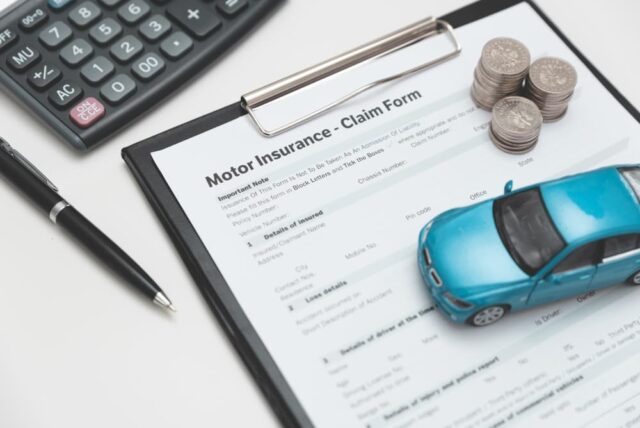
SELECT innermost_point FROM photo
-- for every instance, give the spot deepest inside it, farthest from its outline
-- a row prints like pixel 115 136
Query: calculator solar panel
pixel 88 68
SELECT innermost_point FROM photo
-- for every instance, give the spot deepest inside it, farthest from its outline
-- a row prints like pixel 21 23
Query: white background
pixel 77 348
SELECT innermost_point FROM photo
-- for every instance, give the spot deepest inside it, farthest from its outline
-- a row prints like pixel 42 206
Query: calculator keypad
pixel 91 62
pixel 7 37
pixel 118 89
pixel 58 4
pixel 127 48
pixel 87 112
pixel 148 67
pixel 97 70
pixel 194 17
pixel 133 11
pixel 64 94
pixel 155 28
pixel 43 76
pixel 110 3
pixel 55 34
pixel 23 58
pixel 232 7
pixel 76 52
pixel 85 14
pixel 176 45
pixel 105 31
pixel 33 19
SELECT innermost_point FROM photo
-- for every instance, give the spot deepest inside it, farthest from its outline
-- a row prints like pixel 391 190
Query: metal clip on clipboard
pixel 383 46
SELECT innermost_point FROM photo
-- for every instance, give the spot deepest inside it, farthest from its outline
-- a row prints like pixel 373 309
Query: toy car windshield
pixel 632 175
pixel 526 230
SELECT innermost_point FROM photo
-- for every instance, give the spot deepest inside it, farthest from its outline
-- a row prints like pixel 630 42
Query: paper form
pixel 316 231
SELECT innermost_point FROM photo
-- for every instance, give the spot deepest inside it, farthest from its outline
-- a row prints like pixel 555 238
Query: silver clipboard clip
pixel 380 47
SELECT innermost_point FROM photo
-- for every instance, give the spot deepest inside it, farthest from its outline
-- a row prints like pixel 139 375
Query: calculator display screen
pixel 11 7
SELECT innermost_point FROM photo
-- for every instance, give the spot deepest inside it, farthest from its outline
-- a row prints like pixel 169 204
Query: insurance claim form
pixel 316 230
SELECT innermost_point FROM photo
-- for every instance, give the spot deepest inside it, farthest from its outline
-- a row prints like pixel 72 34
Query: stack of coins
pixel 515 125
pixel 550 84
pixel 500 72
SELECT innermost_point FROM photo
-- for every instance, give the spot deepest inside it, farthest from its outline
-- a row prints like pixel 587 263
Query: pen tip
pixel 163 301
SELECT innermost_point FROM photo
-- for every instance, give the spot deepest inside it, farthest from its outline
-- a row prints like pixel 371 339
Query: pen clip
pixel 26 164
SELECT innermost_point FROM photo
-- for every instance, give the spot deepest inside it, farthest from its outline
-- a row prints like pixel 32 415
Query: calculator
pixel 89 68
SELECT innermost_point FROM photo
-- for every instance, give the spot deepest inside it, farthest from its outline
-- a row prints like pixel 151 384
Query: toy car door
pixel 571 276
pixel 621 259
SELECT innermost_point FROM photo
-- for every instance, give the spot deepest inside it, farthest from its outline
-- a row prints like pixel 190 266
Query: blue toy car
pixel 542 243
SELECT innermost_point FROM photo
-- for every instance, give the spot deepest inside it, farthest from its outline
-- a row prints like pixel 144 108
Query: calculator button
pixel 155 28
pixel 105 31
pixel 33 19
pixel 231 8
pixel 96 70
pixel 65 93
pixel 148 67
pixel 126 48
pixel 7 38
pixel 118 89
pixel 176 45
pixel 87 112
pixel 85 14
pixel 76 52
pixel 58 4
pixel 110 3
pixel 194 17
pixel 133 11
pixel 23 58
pixel 43 76
pixel 55 34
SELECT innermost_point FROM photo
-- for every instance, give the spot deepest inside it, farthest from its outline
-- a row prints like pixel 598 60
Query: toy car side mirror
pixel 508 187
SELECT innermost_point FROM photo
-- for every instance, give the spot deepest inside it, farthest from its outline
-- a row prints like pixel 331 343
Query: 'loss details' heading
pixel 346 122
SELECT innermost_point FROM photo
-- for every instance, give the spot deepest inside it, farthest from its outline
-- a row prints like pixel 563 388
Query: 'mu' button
pixel 23 58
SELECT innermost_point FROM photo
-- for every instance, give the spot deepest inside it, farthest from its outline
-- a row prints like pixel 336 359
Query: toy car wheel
pixel 634 279
pixel 488 315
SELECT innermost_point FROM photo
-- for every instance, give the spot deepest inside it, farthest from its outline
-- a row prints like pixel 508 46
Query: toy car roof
pixel 591 205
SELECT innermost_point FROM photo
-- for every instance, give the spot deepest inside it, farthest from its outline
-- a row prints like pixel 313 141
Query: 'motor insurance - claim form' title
pixel 346 122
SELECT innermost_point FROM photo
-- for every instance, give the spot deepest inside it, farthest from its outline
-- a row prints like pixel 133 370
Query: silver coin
pixel 504 55
pixel 553 76
pixel 550 84
pixel 509 148
pixel 517 115
pixel 500 72
pixel 555 115
pixel 515 125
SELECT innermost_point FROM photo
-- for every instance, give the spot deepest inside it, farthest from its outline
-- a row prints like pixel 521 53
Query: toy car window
pixel 620 244
pixel 583 256
pixel 632 175
pixel 526 230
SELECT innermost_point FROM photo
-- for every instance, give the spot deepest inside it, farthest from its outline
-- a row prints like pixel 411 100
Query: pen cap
pixel 30 184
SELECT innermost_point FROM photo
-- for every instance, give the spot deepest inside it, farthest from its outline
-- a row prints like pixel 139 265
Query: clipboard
pixel 203 268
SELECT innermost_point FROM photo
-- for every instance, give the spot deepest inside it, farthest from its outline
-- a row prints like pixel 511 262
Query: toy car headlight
pixel 455 301
pixel 427 228
pixel 427 256
pixel 435 277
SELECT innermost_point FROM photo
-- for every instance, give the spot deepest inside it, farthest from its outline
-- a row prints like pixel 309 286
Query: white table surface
pixel 79 349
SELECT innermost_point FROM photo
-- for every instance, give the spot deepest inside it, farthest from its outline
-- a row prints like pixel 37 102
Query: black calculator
pixel 90 67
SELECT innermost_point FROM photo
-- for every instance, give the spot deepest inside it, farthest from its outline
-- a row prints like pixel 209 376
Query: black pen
pixel 24 175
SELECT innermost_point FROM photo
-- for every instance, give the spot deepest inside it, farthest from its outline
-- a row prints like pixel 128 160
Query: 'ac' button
pixel 64 94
